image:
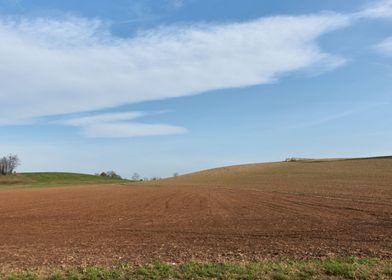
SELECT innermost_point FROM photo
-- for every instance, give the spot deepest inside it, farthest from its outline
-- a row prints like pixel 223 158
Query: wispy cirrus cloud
pixel 75 65
pixel 380 9
pixel 71 65
pixel 385 47
pixel 102 118
pixel 376 9
pixel 119 125
pixel 127 130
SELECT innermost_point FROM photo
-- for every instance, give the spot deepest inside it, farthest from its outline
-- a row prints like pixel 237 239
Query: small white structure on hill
pixel 295 159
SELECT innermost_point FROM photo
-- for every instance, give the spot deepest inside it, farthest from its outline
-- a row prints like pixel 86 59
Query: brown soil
pixel 243 213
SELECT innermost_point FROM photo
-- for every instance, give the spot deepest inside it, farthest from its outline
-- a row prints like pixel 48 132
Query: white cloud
pixel 103 118
pixel 385 47
pixel 50 67
pixel 117 125
pixel 378 9
pixel 126 130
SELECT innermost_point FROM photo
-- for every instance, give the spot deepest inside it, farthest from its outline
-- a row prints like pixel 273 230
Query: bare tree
pixel 135 177
pixel 8 164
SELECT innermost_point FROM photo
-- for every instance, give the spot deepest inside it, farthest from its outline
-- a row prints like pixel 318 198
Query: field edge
pixel 334 268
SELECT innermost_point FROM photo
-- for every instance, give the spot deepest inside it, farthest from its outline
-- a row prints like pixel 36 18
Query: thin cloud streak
pixel 128 130
pixel 378 9
pixel 119 125
pixel 102 118
pixel 385 47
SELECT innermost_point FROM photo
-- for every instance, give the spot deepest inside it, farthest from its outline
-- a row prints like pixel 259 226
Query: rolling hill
pixel 52 179
pixel 308 176
pixel 251 174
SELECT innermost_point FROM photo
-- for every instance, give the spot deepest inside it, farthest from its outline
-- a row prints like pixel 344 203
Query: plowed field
pixel 252 212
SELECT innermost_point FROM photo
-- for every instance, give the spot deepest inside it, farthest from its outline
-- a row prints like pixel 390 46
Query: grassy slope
pixel 365 269
pixel 52 179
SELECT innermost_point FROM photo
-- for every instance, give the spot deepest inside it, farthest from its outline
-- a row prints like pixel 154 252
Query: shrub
pixel 111 174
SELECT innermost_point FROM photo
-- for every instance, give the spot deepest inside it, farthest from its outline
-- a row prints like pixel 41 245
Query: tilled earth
pixel 141 223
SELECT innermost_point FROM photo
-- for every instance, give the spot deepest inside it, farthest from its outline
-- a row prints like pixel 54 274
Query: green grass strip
pixel 349 268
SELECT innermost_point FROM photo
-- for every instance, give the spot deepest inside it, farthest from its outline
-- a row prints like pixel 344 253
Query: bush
pixel 110 174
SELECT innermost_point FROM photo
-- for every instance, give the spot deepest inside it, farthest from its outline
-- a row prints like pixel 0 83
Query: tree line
pixel 8 164
pixel 135 176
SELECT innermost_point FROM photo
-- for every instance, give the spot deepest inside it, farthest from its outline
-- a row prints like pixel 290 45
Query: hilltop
pixel 316 174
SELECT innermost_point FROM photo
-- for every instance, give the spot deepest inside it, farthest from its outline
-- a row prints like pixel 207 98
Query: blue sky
pixel 165 86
